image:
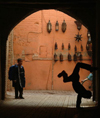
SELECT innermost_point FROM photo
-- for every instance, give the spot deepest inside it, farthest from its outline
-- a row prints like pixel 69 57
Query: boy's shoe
pixel 21 97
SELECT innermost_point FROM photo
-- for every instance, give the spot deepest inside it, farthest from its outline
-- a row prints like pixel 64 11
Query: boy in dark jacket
pixel 19 79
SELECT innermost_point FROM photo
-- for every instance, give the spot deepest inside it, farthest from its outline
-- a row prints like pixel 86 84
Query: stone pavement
pixel 45 104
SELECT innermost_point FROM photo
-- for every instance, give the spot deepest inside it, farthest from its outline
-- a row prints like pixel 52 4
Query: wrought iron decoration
pixel 56 47
pixel 55 57
pixel 78 37
pixel 88 34
pixel 61 57
pixel 75 48
pixel 81 48
pixel 62 46
pixel 78 25
pixel 49 26
pixel 69 57
pixel 64 26
pixel 57 26
pixel 75 57
pixel 89 48
pixel 69 47
pixel 80 57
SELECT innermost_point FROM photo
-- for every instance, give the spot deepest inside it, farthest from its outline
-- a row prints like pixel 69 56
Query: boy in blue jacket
pixel 19 79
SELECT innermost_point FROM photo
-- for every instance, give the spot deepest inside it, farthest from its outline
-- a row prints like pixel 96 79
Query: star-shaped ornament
pixel 78 37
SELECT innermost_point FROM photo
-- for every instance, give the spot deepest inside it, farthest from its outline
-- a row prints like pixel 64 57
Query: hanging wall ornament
pixel 69 57
pixel 55 57
pixel 49 26
pixel 80 57
pixel 61 57
pixel 75 57
pixel 89 40
pixel 78 25
pixel 69 47
pixel 75 48
pixel 64 26
pixel 78 37
pixel 87 46
pixel 56 47
pixel 57 26
pixel 88 34
pixel 62 46
pixel 81 48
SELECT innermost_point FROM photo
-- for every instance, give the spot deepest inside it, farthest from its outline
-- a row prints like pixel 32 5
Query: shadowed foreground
pixel 46 104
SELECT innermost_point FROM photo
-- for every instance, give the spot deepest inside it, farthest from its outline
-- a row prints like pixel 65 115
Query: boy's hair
pixel 19 59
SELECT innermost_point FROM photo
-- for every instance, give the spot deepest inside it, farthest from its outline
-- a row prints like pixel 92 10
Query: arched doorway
pixel 22 13
pixel 32 42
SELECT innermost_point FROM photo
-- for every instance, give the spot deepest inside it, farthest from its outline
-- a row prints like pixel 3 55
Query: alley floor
pixel 46 104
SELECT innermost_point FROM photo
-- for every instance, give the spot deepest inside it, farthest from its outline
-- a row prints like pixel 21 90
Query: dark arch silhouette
pixel 18 11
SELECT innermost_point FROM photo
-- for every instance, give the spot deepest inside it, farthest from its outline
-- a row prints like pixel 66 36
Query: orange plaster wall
pixel 38 74
pixel 35 46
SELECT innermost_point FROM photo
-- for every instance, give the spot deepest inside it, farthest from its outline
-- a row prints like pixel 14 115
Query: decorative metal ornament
pixel 75 57
pixel 87 46
pixel 88 34
pixel 78 37
pixel 69 47
pixel 55 57
pixel 64 26
pixel 49 26
pixel 89 40
pixel 57 26
pixel 78 25
pixel 56 47
pixel 62 46
pixel 80 57
pixel 61 57
pixel 75 48
pixel 81 48
pixel 69 57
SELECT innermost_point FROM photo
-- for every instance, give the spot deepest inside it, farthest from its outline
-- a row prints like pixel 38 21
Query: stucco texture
pixel 35 46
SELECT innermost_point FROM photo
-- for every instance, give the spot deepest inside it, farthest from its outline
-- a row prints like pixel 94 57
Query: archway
pixel 46 6
pixel 34 44
pixel 88 17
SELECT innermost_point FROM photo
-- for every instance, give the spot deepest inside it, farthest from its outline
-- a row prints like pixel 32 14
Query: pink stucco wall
pixel 35 46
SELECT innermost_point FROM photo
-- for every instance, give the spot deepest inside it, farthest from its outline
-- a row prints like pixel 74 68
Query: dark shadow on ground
pixel 7 111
